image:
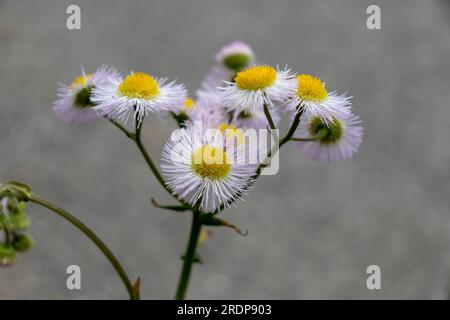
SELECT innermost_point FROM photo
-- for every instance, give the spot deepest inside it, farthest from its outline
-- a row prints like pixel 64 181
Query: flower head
pixel 255 87
pixel 205 170
pixel 139 94
pixel 341 139
pixel 311 96
pixel 235 56
pixel 74 104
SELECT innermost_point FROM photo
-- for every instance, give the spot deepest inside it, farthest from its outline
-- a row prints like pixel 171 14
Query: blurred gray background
pixel 313 228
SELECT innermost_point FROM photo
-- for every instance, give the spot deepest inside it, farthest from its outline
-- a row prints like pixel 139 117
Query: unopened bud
pixel 19 220
pixel 22 242
pixel 7 255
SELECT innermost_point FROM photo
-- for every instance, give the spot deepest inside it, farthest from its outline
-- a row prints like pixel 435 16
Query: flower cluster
pixel 13 222
pixel 203 170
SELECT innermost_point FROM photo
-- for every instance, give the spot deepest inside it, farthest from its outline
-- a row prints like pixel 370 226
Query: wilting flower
pixel 255 119
pixel 340 141
pixel 255 87
pixel 74 104
pixel 310 96
pixel 139 94
pixel 206 170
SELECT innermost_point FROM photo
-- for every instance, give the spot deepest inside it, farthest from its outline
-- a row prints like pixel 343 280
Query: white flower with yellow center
pixel 255 87
pixel 311 96
pixel 139 94
pixel 205 171
pixel 74 104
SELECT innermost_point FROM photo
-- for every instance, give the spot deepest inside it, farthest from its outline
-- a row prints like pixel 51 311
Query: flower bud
pixel 19 220
pixel 22 242
pixel 7 255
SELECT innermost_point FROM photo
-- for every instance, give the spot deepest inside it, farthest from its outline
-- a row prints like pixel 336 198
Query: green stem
pixel 293 127
pixel 122 128
pixel 269 117
pixel 189 256
pixel 137 139
pixel 91 235
pixel 322 133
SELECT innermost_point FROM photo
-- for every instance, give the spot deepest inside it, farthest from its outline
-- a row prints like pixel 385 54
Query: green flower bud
pixel 237 61
pixel 22 242
pixel 7 255
pixel 18 221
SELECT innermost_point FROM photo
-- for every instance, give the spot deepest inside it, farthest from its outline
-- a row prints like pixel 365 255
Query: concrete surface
pixel 313 228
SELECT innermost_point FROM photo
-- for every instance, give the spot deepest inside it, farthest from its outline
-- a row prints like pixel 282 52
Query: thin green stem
pixel 122 128
pixel 169 207
pixel 293 127
pixel 189 256
pixel 91 235
pixel 269 117
pixel 319 135
pixel 137 139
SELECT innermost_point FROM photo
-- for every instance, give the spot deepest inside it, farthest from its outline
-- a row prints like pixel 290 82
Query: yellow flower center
pixel 139 85
pixel 231 131
pixel 310 88
pixel 211 162
pixel 80 81
pixel 189 103
pixel 255 78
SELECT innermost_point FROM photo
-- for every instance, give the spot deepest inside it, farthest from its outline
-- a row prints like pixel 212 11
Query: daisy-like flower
pixel 206 172
pixel 256 119
pixel 255 87
pixel 341 139
pixel 139 94
pixel 311 96
pixel 74 104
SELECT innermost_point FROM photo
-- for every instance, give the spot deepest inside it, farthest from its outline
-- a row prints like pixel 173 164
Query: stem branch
pixel 322 133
